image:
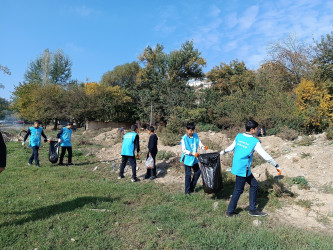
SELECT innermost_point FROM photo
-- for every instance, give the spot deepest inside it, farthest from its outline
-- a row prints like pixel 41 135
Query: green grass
pixel 46 207
pixel 164 155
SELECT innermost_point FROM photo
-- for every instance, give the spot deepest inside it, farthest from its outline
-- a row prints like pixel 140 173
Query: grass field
pixel 77 208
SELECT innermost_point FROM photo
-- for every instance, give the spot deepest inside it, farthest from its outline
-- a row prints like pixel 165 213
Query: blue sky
pixel 99 35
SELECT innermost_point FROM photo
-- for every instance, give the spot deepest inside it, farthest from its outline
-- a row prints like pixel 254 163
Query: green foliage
pixel 329 133
pixel 324 56
pixel 205 127
pixel 301 182
pixel 304 203
pixel 169 139
pixel 164 155
pixel 287 133
pixel 305 141
pixel 305 155
pixel 4 107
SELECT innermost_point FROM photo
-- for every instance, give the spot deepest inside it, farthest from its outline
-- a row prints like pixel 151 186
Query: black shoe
pixel 70 164
pixel 38 166
pixel 60 164
pixel 187 194
pixel 121 177
pixel 152 178
pixel 135 179
pixel 233 214
pixel 146 177
pixel 257 213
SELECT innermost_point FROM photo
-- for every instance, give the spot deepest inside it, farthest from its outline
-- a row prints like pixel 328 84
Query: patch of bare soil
pixel 311 209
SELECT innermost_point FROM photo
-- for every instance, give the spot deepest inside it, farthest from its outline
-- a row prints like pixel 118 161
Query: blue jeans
pixel 190 184
pixel 132 161
pixel 238 190
pixel 34 155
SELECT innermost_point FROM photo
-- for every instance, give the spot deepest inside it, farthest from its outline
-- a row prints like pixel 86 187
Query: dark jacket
pixel 3 152
pixel 152 144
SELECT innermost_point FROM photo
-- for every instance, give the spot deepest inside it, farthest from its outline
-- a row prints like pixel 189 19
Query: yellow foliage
pixel 314 104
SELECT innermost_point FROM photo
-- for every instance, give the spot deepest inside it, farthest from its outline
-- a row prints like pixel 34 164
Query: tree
pixel 163 79
pixel 314 105
pixel 4 107
pixel 294 55
pixel 122 75
pixel 5 70
pixel 228 79
pixel 324 57
pixel 49 68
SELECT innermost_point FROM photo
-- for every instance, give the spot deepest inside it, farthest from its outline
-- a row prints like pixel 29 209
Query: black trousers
pixel 63 152
pixel 132 161
pixel 34 155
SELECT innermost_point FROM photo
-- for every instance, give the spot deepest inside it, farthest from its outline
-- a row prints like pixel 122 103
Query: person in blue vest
pixel 64 138
pixel 35 133
pixel 190 144
pixel 130 144
pixel 244 145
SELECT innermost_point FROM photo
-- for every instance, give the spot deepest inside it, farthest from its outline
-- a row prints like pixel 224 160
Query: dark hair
pixel 190 125
pixel 134 127
pixel 37 121
pixel 69 123
pixel 251 124
pixel 151 128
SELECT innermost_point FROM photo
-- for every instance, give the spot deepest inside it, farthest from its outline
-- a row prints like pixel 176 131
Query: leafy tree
pixel 4 107
pixel 163 79
pixel 228 79
pixel 122 75
pixel 314 105
pixel 5 70
pixel 50 68
pixel 324 57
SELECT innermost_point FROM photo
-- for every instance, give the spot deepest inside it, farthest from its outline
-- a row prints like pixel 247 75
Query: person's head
pixel 69 125
pixel 251 126
pixel 190 127
pixel 36 124
pixel 150 129
pixel 134 128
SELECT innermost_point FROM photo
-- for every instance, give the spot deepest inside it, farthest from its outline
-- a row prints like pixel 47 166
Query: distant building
pixel 200 84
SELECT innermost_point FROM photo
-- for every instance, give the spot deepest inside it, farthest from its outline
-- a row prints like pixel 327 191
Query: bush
pixel 164 155
pixel 301 182
pixel 306 141
pixel 207 127
pixel 329 133
pixel 287 133
pixel 170 139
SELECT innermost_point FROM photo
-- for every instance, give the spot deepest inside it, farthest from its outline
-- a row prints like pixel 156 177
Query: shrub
pixel 170 139
pixel 287 133
pixel 304 203
pixel 164 155
pixel 306 141
pixel 329 133
pixel 301 182
pixel 204 127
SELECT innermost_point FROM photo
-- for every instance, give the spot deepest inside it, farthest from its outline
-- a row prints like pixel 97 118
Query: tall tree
pixel 324 57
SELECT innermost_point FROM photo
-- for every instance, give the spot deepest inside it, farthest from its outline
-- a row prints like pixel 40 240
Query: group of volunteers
pixel 243 146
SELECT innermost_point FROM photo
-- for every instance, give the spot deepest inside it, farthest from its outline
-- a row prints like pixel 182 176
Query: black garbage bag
pixel 54 151
pixel 210 167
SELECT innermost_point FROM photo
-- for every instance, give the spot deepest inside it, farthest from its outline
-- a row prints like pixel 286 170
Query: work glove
pixel 278 169
pixel 222 152
pixel 138 156
pixel 23 143
pixel 205 148
pixel 196 155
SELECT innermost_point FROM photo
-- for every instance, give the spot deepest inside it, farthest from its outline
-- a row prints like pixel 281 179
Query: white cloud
pixel 249 17
pixel 85 11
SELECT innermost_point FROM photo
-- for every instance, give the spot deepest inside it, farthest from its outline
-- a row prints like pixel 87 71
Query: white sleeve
pixel 184 150
pixel 229 149
pixel 259 149
pixel 201 145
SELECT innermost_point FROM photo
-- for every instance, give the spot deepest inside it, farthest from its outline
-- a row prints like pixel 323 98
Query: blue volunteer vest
pixel 192 145
pixel 35 136
pixel 66 137
pixel 243 155
pixel 128 144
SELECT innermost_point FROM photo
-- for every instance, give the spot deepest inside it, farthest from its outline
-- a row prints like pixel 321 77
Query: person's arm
pixel 26 135
pixel 137 143
pixel 45 137
pixel 184 150
pixel 151 143
pixel 202 146
pixel 60 133
pixel 229 149
pixel 259 149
